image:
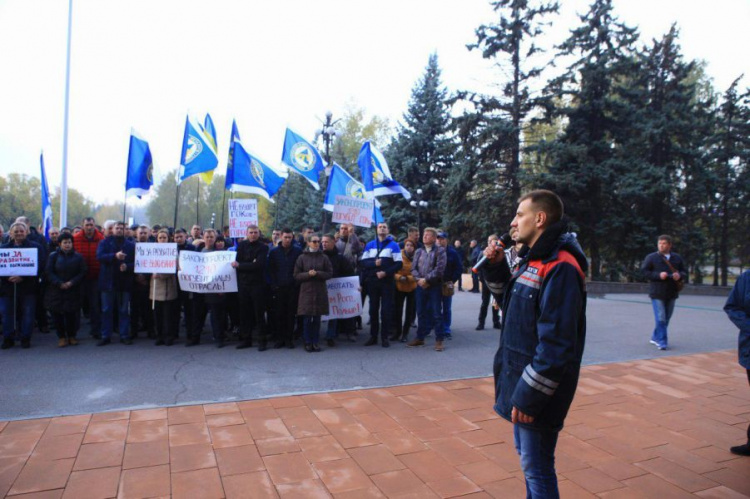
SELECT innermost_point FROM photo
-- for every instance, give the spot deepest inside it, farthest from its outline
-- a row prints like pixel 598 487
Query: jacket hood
pixel 556 237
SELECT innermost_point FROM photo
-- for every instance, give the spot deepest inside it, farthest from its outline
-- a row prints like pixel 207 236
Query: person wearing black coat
pixel 66 270
pixel 20 291
pixel 281 262
pixel 664 270
pixel 342 267
pixel 252 255
pixel 185 298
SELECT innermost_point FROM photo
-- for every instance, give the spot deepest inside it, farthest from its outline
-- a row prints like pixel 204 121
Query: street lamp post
pixel 419 203
pixel 329 133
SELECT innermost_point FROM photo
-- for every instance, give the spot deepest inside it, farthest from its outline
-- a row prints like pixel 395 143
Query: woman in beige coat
pixel 163 296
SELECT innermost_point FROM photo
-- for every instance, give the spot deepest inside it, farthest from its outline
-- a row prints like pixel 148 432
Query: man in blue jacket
pixel 544 329
pixel 381 259
pixel 116 255
pixel 738 310
pixel 664 270
pixel 281 260
pixel 453 271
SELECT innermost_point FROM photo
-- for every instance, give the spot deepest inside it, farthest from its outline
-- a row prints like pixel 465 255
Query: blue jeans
pixel 428 312
pixel 331 329
pixel 662 313
pixel 110 299
pixel 537 451
pixel 28 309
pixel 446 302
pixel 311 329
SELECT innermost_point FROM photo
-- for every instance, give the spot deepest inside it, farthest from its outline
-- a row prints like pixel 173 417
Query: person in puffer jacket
pixel 538 362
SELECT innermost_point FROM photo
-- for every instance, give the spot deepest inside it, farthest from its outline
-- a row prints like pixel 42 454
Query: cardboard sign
pixel 344 298
pixel 242 213
pixel 207 272
pixel 353 211
pixel 155 258
pixel 18 261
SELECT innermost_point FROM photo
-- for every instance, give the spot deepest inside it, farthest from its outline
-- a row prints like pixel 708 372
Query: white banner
pixel 344 298
pixel 242 213
pixel 155 258
pixel 207 272
pixel 18 261
pixel 353 211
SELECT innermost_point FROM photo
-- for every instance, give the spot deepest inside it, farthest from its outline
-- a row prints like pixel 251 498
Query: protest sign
pixel 242 213
pixel 18 261
pixel 155 258
pixel 207 272
pixel 344 298
pixel 353 211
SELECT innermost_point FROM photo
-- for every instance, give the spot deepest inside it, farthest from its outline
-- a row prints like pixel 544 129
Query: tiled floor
pixel 656 428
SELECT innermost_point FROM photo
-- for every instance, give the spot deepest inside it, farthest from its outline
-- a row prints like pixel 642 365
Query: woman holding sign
pixel 312 269
pixel 66 269
pixel 163 296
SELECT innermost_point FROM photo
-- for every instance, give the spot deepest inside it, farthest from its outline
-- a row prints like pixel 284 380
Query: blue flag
pixel 376 176
pixel 340 183
pixel 140 176
pixel 46 206
pixel 253 175
pixel 230 160
pixel 302 157
pixel 377 216
pixel 198 155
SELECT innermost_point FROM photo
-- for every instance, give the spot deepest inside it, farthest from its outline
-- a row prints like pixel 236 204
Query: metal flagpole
pixel 64 185
pixel 176 200
pixel 223 207
pixel 198 203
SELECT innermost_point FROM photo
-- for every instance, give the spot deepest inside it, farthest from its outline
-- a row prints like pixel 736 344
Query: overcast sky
pixel 146 63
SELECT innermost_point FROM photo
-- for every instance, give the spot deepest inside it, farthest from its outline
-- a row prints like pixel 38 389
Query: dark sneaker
pixel 308 347
pixel 25 342
pixel 385 343
pixel 315 348
pixel 7 343
pixel 159 342
pixel 330 342
pixel 262 347
pixel 278 344
pixel 479 327
pixel 372 341
pixel 169 342
pixel 245 344
pixel 741 450
pixel 126 341
pixel 103 342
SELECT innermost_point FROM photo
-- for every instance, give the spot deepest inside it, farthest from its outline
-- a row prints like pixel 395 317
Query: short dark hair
pixel 89 219
pixel 156 227
pixel 286 230
pixel 64 236
pixel 548 202
pixel 180 231
pixel 665 237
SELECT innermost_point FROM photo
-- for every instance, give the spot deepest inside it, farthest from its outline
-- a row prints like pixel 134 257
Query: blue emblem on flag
pixel 302 157
pixel 140 175
pixel 230 160
pixel 340 183
pixel 253 175
pixel 376 176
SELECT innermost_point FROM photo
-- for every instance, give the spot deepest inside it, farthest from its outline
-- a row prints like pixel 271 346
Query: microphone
pixel 502 242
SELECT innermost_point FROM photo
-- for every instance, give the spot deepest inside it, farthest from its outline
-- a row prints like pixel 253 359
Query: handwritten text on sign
pixel 207 272
pixel 155 258
pixel 353 211
pixel 344 298
pixel 21 261
pixel 242 213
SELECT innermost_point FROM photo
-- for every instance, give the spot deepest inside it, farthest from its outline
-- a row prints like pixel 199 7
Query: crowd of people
pixel 86 277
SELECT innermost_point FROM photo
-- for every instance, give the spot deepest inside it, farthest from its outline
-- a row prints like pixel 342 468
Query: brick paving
pixel 649 428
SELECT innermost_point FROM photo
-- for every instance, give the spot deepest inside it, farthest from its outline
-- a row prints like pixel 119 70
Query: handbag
pixel 448 289
pixel 680 283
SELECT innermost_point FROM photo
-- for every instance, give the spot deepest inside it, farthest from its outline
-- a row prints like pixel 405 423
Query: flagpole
pixel 198 203
pixel 176 201
pixel 223 207
pixel 125 209
pixel 64 184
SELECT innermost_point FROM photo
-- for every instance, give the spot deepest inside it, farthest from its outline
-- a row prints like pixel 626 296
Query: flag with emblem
pixel 46 205
pixel 302 157
pixel 254 176
pixel 340 183
pixel 140 175
pixel 229 180
pixel 198 155
pixel 376 176
pixel 210 131
pixel 377 215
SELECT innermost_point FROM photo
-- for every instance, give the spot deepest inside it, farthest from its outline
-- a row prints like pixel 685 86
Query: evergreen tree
pixel 421 155
pixel 586 170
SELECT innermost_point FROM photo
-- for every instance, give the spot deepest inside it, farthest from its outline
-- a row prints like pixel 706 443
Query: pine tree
pixel 586 170
pixel 422 154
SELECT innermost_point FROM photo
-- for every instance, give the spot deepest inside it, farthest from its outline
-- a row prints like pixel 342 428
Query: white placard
pixel 353 211
pixel 242 213
pixel 344 298
pixel 18 261
pixel 155 258
pixel 207 272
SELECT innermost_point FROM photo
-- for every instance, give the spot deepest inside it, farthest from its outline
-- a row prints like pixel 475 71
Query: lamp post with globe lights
pixel 419 203
pixel 328 132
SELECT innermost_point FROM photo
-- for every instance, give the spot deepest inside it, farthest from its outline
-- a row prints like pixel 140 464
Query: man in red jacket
pixel 85 243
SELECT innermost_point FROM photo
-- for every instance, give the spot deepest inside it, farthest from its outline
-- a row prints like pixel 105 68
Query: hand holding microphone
pixel 492 252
